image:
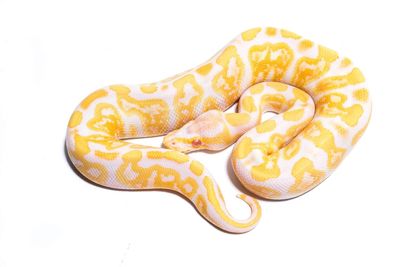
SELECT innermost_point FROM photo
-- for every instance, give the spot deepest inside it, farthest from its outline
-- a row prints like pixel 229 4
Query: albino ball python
pixel 280 158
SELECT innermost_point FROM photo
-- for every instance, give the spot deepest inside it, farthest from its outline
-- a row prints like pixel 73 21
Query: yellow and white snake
pixel 320 98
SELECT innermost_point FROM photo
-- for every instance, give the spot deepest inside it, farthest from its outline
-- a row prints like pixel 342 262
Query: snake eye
pixel 196 143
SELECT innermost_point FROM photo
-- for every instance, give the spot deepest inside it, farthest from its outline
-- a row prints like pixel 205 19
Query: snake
pixel 321 109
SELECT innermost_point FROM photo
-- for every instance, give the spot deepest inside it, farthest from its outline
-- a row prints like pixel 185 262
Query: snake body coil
pixel 323 109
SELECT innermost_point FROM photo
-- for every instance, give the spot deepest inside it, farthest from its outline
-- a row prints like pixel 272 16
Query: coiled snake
pixel 320 98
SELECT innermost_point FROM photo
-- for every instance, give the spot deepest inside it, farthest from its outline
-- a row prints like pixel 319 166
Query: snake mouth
pixel 170 142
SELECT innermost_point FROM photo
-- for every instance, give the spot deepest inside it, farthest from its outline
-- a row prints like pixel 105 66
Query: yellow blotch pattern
pixel 164 177
pixel 196 167
pixel 325 140
pixel 188 187
pixel 106 155
pixel 148 88
pixel 267 170
pixel 305 45
pixel 256 89
pixel 332 105
pixel 120 89
pixel 345 63
pixel 301 95
pixel 201 205
pixel 169 155
pixel 106 119
pixel 205 69
pixel 264 191
pixel 246 145
pixel 237 119
pixel 266 126
pixel 250 34
pixel 309 69
pixel 186 109
pixel 210 103
pixel 358 135
pixel 352 78
pixel 278 86
pixel 291 149
pixel 242 148
pixel 94 171
pixel 361 95
pixel 228 80
pixel 167 178
pixel 341 130
pixel 153 113
pixel 109 143
pixel 289 34
pixel 75 119
pixel 92 97
pixel 274 101
pixel 306 176
pixel 247 103
pixel 270 61
pixel 293 115
pixel 270 31
pixel 295 129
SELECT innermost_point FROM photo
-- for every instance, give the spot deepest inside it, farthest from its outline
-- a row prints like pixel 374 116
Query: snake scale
pixel 320 99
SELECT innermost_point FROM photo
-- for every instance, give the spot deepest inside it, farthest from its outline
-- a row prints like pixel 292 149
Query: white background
pixel 54 53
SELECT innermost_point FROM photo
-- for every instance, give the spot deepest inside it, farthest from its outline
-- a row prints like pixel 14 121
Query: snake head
pixel 184 139
pixel 195 134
